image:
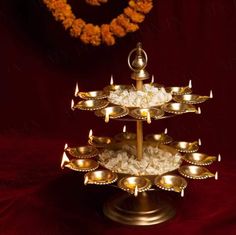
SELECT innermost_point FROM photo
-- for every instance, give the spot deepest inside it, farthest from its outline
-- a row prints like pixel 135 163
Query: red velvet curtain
pixel 40 64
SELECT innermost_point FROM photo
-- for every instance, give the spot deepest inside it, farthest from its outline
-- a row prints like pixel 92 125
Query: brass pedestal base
pixel 148 208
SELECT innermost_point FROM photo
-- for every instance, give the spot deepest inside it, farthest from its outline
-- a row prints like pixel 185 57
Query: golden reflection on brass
pixel 100 141
pixel 195 172
pixel 82 165
pixel 200 159
pixel 179 108
pixel 159 138
pixel 130 183
pixel 142 113
pixel 171 182
pixel 117 87
pixel 148 208
pixel 157 85
pixel 91 105
pixel 185 147
pixel 83 151
pixel 113 112
pixel 101 177
pixel 96 95
pixel 179 90
pixel 190 98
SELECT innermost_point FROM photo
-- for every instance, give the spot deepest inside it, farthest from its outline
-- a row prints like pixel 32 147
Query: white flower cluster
pixel 149 97
pixel 155 161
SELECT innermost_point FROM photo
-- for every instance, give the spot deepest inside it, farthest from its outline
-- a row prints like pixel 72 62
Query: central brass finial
pixel 139 63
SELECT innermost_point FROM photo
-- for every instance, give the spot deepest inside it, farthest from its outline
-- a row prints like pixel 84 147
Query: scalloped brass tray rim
pixel 102 182
pixel 85 95
pixel 144 188
pixel 197 100
pixel 197 177
pixel 124 112
pixel 136 116
pixel 168 139
pixel 182 150
pixel 186 110
pixel 82 104
pixel 198 163
pixel 72 167
pixel 160 185
pixel 92 154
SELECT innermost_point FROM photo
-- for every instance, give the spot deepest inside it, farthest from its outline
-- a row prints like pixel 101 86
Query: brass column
pixel 139 75
pixel 139 127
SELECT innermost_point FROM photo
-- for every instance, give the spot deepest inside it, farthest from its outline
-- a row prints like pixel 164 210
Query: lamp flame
pixel 199 110
pixel 199 142
pixel 124 128
pixel 111 81
pixel 136 191
pixel 72 105
pixel 211 94
pixel 64 160
pixel 148 118
pixel 219 158
pixel 86 180
pixel 166 130
pixel 90 134
pixel 190 84
pixel 216 175
pixel 76 89
pixel 66 146
pixel 182 193
pixel 152 81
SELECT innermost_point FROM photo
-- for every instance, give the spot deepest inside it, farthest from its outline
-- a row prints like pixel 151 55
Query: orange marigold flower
pixel 91 34
pixel 106 34
pixel 77 27
pixel 67 23
pixel 135 16
pixel 117 29
pixel 125 22
pixel 143 6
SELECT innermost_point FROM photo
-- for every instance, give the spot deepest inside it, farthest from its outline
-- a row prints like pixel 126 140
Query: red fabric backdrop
pixel 40 65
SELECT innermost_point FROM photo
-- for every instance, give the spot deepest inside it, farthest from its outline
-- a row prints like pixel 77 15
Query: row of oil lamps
pixel 83 161
pixel 96 101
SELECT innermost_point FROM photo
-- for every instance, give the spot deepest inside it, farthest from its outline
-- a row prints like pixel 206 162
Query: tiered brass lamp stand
pixel 139 166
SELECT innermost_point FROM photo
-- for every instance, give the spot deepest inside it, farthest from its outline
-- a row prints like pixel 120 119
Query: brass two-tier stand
pixel 139 165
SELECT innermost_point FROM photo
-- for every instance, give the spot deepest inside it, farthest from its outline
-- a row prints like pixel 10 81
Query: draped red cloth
pixel 40 65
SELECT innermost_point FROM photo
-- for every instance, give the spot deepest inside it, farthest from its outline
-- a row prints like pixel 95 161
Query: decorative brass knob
pixel 139 63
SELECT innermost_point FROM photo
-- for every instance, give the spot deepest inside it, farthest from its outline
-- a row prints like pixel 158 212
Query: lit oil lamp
pixel 199 111
pixel 65 147
pixel 65 160
pixel 111 81
pixel 90 136
pixel 76 90
pixel 190 84
pixel 72 106
pixel 211 94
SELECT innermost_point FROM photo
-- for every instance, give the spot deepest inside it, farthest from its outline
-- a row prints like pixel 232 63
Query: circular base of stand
pixel 148 208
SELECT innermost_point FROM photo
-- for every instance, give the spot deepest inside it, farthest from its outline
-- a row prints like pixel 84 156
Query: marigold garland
pixel 88 33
